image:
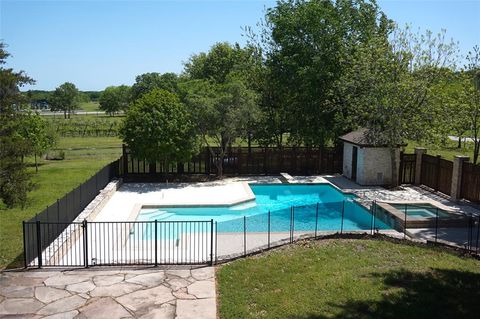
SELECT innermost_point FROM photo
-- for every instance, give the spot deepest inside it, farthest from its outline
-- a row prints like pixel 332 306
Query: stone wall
pixel 375 166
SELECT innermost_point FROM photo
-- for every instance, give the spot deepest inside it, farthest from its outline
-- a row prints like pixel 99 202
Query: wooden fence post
pixel 419 151
pixel 457 176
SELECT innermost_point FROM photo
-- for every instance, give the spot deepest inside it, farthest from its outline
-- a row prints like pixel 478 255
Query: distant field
pixel 447 151
pixel 90 106
pixel 54 179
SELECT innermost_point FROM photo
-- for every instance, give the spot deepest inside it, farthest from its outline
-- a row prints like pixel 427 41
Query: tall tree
pixel 306 45
pixel 158 127
pixel 115 99
pixel 471 100
pixel 221 95
pixel 389 83
pixel 14 179
pixel 223 113
pixel 146 82
pixel 38 135
pixel 65 98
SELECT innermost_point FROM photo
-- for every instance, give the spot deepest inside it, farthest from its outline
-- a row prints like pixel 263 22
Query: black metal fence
pixel 432 224
pixel 119 243
pixel 207 242
pixel 54 219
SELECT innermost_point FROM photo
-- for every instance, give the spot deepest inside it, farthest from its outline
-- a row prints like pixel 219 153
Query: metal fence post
pixel 371 220
pixel 405 223
pixel 478 234
pixel 316 221
pixel 216 242
pixel 374 216
pixel 293 222
pixel 343 213
pixel 290 234
pixel 85 243
pixel 211 242
pixel 244 235
pixel 268 229
pixel 24 245
pixel 39 244
pixel 470 232
pixel 156 243
pixel 436 225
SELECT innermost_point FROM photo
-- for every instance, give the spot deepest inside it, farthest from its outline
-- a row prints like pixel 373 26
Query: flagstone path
pixel 113 293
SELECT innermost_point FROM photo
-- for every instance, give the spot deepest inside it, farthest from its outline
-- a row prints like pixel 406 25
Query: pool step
pixel 286 178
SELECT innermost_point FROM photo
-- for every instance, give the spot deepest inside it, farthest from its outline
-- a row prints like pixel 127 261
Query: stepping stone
pixel 203 273
pixel 38 274
pixel 19 306
pixel 184 273
pixel 104 308
pixel 16 291
pixel 165 311
pixel 115 290
pixel 21 281
pixel 196 309
pixel 63 280
pixel 183 294
pixel 146 298
pixel 62 305
pixel 148 280
pixel 81 287
pixel 63 315
pixel 202 289
pixel 91 272
pixel 107 280
pixel 49 294
pixel 177 283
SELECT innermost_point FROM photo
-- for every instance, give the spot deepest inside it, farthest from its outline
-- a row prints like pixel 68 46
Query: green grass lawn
pixel 447 151
pixel 54 179
pixel 342 278
pixel 89 106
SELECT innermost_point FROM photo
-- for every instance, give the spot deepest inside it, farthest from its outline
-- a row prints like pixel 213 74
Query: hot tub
pixel 399 215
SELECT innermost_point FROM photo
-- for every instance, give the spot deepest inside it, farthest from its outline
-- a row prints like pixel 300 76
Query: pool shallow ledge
pixel 248 196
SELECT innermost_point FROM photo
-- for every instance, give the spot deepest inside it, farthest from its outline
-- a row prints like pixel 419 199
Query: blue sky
pixel 95 44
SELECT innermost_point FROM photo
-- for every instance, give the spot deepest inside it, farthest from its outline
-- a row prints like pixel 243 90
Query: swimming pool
pixel 272 208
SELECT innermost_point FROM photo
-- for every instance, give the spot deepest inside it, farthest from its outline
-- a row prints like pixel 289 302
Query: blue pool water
pixel 278 200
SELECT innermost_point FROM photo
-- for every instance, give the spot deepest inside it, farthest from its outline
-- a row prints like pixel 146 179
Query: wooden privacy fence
pixel 470 187
pixel 407 168
pixel 242 161
pixel 437 173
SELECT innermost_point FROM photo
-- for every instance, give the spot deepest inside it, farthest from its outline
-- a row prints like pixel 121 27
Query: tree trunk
pixel 459 142
pixel 393 159
pixel 64 114
pixel 476 149
pixel 36 164
pixel 219 165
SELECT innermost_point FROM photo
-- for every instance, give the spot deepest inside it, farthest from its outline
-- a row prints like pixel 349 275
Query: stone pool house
pixel 364 162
